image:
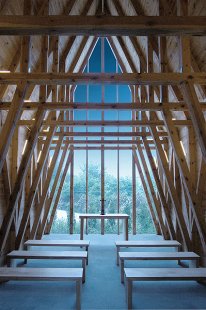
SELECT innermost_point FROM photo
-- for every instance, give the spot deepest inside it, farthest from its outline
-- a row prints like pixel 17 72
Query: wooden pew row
pixel 146 244
pixel 71 255
pixel 59 243
pixel 45 274
pixel 160 274
pixel 166 256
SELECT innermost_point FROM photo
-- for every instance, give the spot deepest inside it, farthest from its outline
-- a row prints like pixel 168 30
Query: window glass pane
pixel 95 93
pixel 110 93
pixel 110 192
pixel 95 59
pixel 110 61
pixel 80 93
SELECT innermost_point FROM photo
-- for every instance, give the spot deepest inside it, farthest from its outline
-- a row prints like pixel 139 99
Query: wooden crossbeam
pixel 102 134
pixel 102 25
pixel 143 123
pixel 103 78
pixel 157 106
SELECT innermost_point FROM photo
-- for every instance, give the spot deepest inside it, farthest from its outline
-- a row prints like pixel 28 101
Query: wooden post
pixel 71 213
pixel 158 223
pixel 44 227
pixel 134 204
pixel 59 192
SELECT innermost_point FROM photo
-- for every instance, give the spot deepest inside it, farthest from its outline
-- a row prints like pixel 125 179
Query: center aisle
pixel 103 288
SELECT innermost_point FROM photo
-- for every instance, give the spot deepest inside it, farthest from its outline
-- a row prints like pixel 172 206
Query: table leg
pixel 129 294
pixel 87 249
pixel 81 228
pixel 84 269
pixel 117 256
pixel 126 229
pixel 122 270
pixel 78 294
pixel 102 226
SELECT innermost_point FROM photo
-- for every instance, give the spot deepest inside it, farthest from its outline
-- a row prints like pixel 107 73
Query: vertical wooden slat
pixel 71 213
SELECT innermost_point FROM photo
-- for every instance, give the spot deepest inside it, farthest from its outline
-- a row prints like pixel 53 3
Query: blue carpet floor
pixel 103 289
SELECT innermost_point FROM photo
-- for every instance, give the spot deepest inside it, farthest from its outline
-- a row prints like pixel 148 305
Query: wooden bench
pixel 146 244
pixel 45 274
pixel 160 274
pixel 81 255
pixel 59 243
pixel 191 256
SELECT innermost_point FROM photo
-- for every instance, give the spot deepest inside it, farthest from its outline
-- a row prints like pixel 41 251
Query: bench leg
pixel 84 269
pixel 122 270
pixel 193 263
pixel 129 294
pixel 81 229
pixel 117 256
pixel 87 249
pixel 78 294
pixel 126 229
pixel 11 262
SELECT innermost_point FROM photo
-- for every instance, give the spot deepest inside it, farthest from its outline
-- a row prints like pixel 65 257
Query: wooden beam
pixel 185 174
pixel 42 227
pixel 71 196
pixel 198 119
pixel 157 106
pixel 68 161
pixel 129 123
pixel 102 25
pixel 102 134
pixel 134 196
pixel 105 142
pixel 168 227
pixel 42 201
pixel 26 158
pixel 103 78
pixel 30 201
pixel 12 119
pixel 6 181
pixel 158 222
pixel 185 233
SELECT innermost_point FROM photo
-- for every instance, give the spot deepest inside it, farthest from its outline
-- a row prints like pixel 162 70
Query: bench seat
pixel 160 274
pixel 57 243
pixel 191 256
pixel 146 244
pixel 82 255
pixel 45 274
